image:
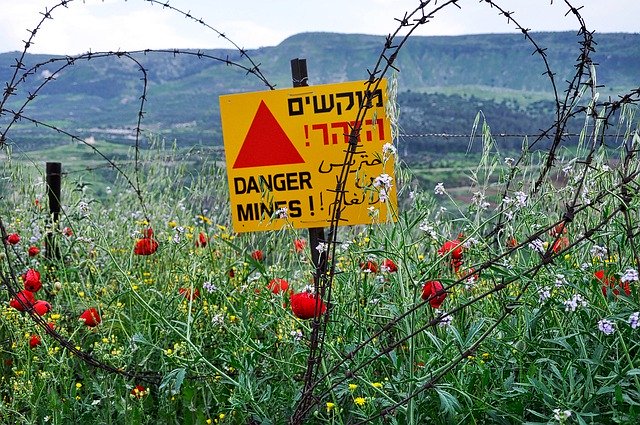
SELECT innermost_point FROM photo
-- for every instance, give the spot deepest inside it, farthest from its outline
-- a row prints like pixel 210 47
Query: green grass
pixel 236 353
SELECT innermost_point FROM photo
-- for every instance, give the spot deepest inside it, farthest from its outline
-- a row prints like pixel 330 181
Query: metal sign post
pixel 53 182
pixel 300 78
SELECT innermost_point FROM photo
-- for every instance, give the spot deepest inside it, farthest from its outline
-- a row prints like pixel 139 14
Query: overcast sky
pixel 138 24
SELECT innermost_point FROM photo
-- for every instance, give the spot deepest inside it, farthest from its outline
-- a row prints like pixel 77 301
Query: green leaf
pixel 173 380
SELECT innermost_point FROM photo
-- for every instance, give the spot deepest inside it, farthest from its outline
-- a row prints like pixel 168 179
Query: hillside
pixel 443 83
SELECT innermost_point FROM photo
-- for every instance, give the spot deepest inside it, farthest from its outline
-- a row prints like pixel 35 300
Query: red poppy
pixel 41 307
pixel 512 242
pixel 31 280
pixel 560 244
pixel 389 266
pixel 34 341
pixel 231 273
pixel 202 240
pixel 67 231
pixel 305 305
pixel 558 229
pixel 90 317
pixel 139 391
pixel 434 292
pixel 145 246
pixel 456 264
pixel 278 285
pixel 23 300
pixel 299 244
pixel 13 239
pixel 610 282
pixel 453 248
pixel 33 251
pixel 186 292
pixel 369 266
pixel 258 255
pixel 601 276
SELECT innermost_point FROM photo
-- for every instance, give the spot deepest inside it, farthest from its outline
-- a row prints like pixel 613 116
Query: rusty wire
pixel 311 394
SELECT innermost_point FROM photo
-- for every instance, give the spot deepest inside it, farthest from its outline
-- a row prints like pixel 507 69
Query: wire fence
pixel 318 384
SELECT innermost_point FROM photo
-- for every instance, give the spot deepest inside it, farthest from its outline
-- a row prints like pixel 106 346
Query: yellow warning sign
pixel 285 151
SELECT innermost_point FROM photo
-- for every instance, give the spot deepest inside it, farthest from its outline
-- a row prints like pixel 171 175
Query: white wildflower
pixel 544 293
pixel 84 209
pixel 521 197
pixel 218 319
pixel 629 275
pixel 297 335
pixel 561 415
pixel 598 251
pixel 445 321
pixel 537 245
pixel 254 277
pixel 561 280
pixel 209 287
pixel 322 247
pixel 606 326
pixel 470 242
pixel 478 200
pixel 575 302
pixel 439 189
pixel 388 149
pixel 384 181
pixel 282 213
pixel 428 228
pixel 509 162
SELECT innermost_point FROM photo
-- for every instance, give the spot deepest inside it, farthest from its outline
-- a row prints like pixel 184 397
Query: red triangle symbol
pixel 266 143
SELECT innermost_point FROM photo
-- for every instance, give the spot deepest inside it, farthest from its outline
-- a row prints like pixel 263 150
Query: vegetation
pixel 197 332
pixel 443 83
pixel 504 293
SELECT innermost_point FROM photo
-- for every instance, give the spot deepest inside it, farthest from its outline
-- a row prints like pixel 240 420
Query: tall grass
pixel 524 334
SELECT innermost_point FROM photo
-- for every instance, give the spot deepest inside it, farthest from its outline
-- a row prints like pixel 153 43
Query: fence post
pixel 53 180
pixel 300 78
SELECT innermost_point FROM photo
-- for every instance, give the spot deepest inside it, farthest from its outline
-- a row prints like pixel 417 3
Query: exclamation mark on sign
pixel 306 134
pixel 311 204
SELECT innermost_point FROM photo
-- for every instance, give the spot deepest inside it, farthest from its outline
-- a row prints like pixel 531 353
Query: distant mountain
pixel 443 83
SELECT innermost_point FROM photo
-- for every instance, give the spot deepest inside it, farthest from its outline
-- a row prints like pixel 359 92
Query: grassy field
pixel 534 318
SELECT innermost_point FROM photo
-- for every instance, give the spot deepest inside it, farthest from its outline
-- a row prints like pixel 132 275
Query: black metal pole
pixel 300 78
pixel 53 183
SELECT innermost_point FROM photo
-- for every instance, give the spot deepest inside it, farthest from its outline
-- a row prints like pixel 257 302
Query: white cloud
pixel 137 24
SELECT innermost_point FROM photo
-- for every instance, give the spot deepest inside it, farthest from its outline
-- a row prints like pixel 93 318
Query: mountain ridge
pixel 445 74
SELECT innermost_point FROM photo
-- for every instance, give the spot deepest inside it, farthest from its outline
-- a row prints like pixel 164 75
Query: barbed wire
pixel 21 75
pixel 565 109
pixel 625 190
